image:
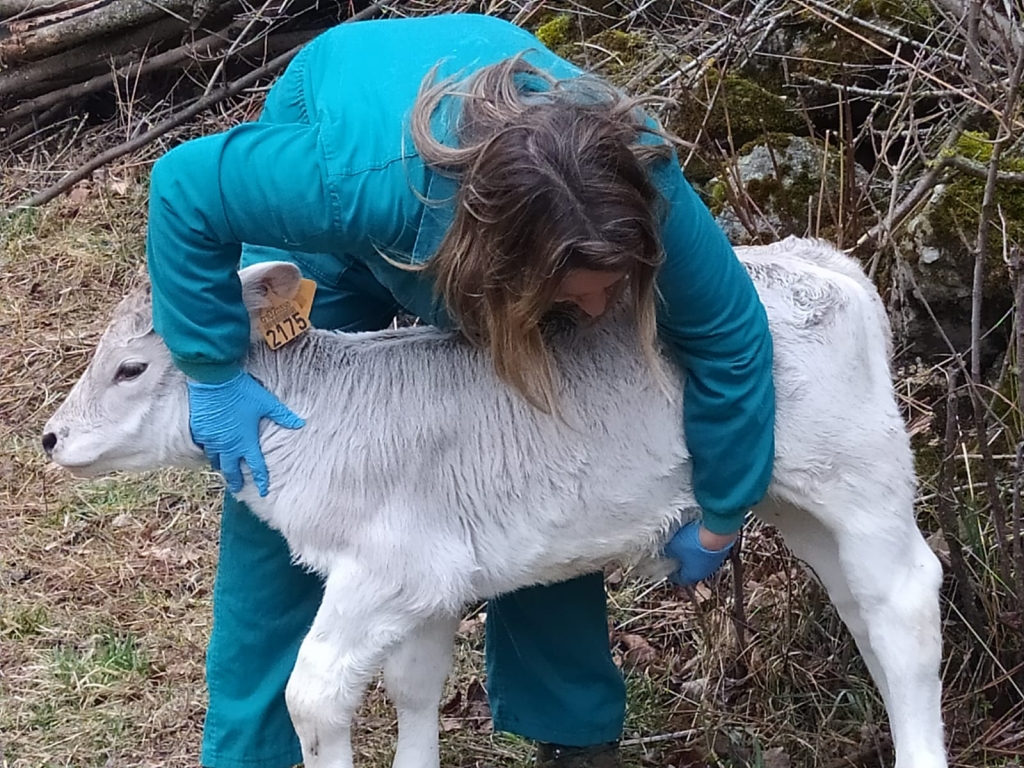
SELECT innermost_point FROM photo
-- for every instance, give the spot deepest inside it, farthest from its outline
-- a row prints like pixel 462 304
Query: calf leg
pixel 414 674
pixel 359 620
pixel 884 581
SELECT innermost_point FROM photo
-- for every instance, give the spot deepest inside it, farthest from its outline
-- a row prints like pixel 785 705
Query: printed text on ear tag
pixel 284 319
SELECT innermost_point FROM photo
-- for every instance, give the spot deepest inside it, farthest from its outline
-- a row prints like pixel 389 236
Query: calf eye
pixel 129 371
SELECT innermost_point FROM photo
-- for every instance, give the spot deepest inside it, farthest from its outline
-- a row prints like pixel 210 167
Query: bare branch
pixel 994 27
pixel 964 94
pixel 980 171
pixel 944 507
pixel 921 190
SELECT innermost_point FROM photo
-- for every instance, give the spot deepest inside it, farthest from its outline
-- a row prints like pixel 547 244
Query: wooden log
pixel 36 38
pixel 85 61
pixel 10 9
pixel 167 60
pixel 22 26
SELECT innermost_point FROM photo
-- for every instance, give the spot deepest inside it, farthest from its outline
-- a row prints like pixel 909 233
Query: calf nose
pixel 49 442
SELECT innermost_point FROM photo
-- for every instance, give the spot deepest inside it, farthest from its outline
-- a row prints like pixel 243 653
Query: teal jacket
pixel 346 180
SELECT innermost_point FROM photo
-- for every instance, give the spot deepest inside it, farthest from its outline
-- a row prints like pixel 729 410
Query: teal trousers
pixel 550 674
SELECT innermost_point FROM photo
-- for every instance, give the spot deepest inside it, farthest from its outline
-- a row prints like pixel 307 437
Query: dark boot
pixel 599 756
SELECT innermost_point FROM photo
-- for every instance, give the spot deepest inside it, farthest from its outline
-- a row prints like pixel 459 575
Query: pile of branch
pixel 54 52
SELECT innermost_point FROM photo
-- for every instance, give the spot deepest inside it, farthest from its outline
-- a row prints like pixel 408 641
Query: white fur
pixel 420 483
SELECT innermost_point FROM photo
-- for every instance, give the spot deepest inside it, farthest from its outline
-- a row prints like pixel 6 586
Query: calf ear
pixel 133 316
pixel 278 277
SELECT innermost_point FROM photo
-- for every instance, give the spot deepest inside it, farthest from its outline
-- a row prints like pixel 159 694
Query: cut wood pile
pixel 55 52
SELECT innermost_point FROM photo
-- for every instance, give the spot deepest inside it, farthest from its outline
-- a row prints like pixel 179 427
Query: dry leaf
pixel 639 652
pixel 119 187
pixel 450 724
pixel 776 757
pixel 79 193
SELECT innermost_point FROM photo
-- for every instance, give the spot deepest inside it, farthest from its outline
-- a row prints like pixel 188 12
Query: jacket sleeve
pixel 257 183
pixel 713 322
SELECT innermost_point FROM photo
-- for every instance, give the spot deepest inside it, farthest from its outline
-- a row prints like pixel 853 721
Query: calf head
pixel 129 410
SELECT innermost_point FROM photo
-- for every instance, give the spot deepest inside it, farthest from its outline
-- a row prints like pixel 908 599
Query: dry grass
pixel 104 585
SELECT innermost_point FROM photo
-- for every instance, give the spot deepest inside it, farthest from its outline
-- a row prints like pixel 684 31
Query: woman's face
pixel 590 290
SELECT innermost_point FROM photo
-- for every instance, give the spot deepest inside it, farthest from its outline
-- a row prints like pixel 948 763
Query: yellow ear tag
pixel 284 319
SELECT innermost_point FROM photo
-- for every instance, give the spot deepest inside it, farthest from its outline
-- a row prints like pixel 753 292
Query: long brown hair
pixel 552 178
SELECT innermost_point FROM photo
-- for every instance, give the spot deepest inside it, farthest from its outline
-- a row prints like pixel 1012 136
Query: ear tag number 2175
pixel 284 319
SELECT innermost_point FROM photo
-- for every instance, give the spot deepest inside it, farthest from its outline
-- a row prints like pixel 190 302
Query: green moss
pixel 978 146
pixel 741 108
pixel 628 53
pixel 617 41
pixel 974 145
pixel 717 196
pixel 699 169
pixel 791 196
pixel 787 200
pixel 611 53
pixel 955 217
pixel 776 140
pixel 555 33
pixel 899 11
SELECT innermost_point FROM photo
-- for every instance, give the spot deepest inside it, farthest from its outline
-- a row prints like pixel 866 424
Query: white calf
pixel 420 483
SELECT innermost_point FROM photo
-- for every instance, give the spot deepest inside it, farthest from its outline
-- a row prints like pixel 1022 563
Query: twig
pixel 234 46
pixel 1018 546
pixel 37 123
pixel 14 8
pixel 966 96
pixel 877 28
pixel 973 49
pixel 921 189
pixel 872 93
pixel 980 256
pixel 691 733
pixel 739 618
pixel 954 352
pixel 947 518
pixel 1016 263
pixel 980 171
pixel 995 26
pixel 184 116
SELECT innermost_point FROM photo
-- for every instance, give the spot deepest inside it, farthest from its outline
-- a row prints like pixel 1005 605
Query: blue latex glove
pixel 225 419
pixel 695 562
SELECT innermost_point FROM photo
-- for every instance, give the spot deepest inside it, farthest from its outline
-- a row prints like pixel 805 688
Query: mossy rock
pixel 614 54
pixel 938 245
pixel 813 48
pixel 741 109
pixel 953 216
pixel 782 177
pixel 626 52
pixel 908 15
pixel 556 31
